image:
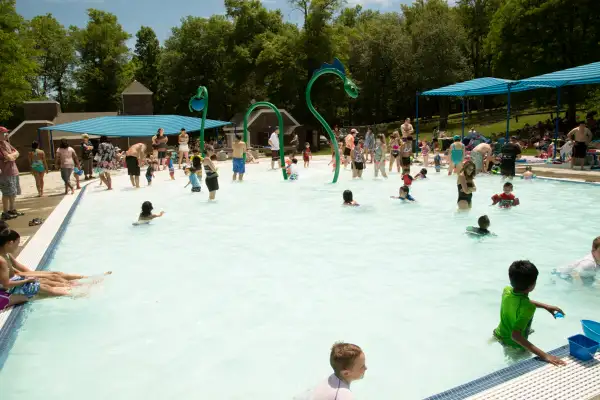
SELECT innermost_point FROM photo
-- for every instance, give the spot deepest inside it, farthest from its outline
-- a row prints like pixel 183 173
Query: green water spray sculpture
pixel 337 68
pixel 199 102
pixel 280 119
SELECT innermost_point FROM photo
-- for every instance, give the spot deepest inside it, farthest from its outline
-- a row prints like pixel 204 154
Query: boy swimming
pixel 505 199
pixel 482 229
pixel 422 174
pixel 517 310
pixel 404 194
pixel 348 364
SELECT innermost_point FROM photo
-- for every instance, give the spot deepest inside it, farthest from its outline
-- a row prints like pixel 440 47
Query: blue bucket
pixel 591 329
pixel 583 348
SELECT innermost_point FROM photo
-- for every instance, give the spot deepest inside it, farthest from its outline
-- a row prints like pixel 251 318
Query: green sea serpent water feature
pixel 199 102
pixel 280 119
pixel 337 68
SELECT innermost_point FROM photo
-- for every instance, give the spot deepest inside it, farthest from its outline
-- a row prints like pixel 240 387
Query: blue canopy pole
pixel 417 103
pixel 557 120
pixel 51 145
pixel 508 115
pixel 462 136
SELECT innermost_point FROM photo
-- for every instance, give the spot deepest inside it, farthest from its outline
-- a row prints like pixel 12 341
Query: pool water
pixel 242 298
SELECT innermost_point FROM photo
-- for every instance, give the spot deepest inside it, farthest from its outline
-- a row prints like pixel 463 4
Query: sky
pixel 160 15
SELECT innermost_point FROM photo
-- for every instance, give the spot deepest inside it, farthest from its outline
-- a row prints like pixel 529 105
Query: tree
pixel 103 56
pixel 17 67
pixel 55 56
pixel 529 38
pixel 147 59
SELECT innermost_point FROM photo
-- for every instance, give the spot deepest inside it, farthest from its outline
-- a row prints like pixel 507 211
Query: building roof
pixel 40 101
pixel 64 118
pixel 135 125
pixel 136 88
pixel 261 118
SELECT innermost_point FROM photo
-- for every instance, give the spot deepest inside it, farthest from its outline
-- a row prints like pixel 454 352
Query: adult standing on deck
pixel 369 144
pixel 106 161
pixel 66 159
pixel 239 149
pixel 582 136
pixel 510 152
pixel 407 129
pixel 161 143
pixel 274 143
pixel 9 176
pixel 478 154
pixel 133 159
pixel 87 150
pixel 184 148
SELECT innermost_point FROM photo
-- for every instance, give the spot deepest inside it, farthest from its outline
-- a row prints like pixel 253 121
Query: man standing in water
pixel 133 159
pixel 582 136
pixel 349 146
pixel 239 167
pixel 478 154
pixel 274 143
pixel 510 153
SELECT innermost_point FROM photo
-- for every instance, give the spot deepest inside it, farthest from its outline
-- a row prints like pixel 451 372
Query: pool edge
pixel 12 322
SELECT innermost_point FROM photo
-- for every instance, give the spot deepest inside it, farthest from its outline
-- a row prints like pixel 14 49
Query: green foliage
pixel 55 56
pixel 103 57
pixel 17 66
pixel 146 59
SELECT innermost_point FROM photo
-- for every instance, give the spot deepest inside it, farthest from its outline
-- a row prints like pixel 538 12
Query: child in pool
pixel 505 199
pixel 404 194
pixel 407 179
pixel 306 155
pixel 171 166
pixel 482 229
pixel 348 364
pixel 422 174
pixel 348 200
pixel 150 170
pixel 528 174
pixel 517 310
pixel 293 172
pixel 146 215
pixel 194 180
pixel 437 161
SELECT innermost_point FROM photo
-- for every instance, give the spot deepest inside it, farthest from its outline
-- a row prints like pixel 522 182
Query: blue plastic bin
pixel 591 329
pixel 583 348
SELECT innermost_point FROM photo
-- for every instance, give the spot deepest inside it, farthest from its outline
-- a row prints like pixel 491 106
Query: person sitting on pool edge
pixel 348 363
pixel 348 200
pixel 505 199
pixel 482 229
pixel 404 194
pixel 517 310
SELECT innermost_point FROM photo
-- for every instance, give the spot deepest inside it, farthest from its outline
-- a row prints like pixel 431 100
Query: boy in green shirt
pixel 516 312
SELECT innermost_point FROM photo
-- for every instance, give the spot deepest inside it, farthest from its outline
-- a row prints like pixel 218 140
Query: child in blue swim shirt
pixel 404 194
pixel 194 181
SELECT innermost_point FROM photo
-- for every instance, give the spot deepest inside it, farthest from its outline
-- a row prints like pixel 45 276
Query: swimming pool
pixel 242 298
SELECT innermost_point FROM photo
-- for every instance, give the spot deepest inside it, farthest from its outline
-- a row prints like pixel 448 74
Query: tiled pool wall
pixel 10 328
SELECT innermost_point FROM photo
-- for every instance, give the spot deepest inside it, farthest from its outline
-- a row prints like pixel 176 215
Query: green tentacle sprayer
pixel 337 68
pixel 199 102
pixel 280 119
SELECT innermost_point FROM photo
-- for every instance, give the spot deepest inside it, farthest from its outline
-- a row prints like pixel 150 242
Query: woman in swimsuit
pixel 379 156
pixel 212 176
pixel 425 149
pixel 466 185
pixel 406 153
pixel 395 150
pixel 457 155
pixel 39 166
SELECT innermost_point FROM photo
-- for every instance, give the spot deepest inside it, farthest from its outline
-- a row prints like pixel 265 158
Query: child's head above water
pixel 484 222
pixel 404 191
pixel 507 188
pixel 523 276
pixel 294 160
pixel 146 209
pixel 424 171
pixel 347 196
pixel 347 361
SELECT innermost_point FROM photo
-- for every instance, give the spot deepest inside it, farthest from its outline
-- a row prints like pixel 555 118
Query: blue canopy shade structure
pixel 478 87
pixel 135 125
pixel 582 75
